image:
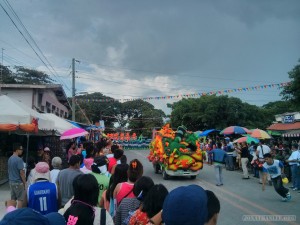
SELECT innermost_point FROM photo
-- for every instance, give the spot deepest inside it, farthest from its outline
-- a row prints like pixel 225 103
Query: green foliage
pixel 96 111
pixel 280 107
pixel 141 117
pixel 7 75
pixel 24 75
pixel 218 112
pixel 29 76
pixel 292 92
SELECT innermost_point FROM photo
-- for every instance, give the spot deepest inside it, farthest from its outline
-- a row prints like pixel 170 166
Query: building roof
pixel 56 88
pixel 284 126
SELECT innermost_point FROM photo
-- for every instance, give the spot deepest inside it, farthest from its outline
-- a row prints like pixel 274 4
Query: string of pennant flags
pixel 192 95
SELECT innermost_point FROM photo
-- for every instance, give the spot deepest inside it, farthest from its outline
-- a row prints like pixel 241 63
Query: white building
pixel 48 98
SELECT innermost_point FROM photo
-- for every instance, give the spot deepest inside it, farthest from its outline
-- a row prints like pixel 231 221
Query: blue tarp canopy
pixel 207 132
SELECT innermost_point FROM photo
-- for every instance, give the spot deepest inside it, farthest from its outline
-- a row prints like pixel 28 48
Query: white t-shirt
pixel 274 170
pixel 261 149
pixel 295 155
pixel 53 175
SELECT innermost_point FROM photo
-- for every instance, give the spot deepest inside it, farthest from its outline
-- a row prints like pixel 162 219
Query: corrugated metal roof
pixel 284 126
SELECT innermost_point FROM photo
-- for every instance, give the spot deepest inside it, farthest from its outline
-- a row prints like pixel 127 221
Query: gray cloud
pixel 199 45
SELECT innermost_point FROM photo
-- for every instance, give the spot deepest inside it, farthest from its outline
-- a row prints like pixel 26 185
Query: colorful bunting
pixel 220 92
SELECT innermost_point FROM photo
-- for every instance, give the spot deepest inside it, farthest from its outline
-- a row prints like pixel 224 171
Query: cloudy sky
pixel 145 48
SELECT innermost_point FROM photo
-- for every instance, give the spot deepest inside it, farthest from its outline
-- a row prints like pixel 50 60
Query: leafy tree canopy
pixel 292 92
pixel 23 75
pixel 218 112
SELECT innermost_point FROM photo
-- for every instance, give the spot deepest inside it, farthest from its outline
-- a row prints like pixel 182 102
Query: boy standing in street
pixel 275 168
pixel 219 157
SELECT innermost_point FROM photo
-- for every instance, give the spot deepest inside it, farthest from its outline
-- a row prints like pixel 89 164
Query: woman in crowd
pixel 71 150
pixel 119 176
pixel 129 205
pixel 82 210
pixel 152 205
pixel 125 189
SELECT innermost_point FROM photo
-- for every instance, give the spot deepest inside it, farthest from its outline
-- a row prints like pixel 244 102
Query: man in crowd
pixel 65 179
pixel 260 151
pixel 229 159
pixel 39 154
pixel 294 164
pixel 16 175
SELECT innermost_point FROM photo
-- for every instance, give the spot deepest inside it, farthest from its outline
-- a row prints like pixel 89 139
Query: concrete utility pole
pixel 1 76
pixel 73 89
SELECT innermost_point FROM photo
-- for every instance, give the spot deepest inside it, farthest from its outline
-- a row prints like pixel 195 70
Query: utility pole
pixel 73 89
pixel 1 76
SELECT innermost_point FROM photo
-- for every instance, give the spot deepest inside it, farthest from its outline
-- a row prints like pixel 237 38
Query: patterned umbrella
pixel 235 130
pixel 247 139
pixel 73 133
pixel 260 134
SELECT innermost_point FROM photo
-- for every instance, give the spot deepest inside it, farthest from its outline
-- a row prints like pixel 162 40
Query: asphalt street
pixel 239 198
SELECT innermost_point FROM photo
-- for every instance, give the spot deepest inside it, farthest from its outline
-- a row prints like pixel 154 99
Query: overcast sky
pixel 137 48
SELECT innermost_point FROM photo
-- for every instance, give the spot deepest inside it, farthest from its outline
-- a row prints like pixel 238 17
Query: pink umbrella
pixel 73 133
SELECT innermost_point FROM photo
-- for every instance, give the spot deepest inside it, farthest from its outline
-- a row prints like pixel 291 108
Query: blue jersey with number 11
pixel 42 197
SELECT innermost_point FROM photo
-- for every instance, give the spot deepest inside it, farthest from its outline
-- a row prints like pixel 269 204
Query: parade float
pixel 175 153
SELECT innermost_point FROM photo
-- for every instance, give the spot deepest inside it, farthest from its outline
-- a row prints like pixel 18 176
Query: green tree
pixel 29 76
pixel 105 109
pixel 218 112
pixel 141 117
pixel 7 75
pixel 292 91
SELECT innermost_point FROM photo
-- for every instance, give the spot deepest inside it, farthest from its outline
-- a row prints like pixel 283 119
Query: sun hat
pixel 186 205
pixel 46 149
pixel 29 216
pixel 41 171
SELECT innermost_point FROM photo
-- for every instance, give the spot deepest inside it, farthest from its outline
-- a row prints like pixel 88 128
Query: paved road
pixel 238 197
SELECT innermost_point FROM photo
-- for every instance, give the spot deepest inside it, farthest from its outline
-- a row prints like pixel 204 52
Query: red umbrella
pixel 73 133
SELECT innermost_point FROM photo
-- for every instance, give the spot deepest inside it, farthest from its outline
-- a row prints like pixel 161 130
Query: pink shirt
pixel 112 162
pixel 126 191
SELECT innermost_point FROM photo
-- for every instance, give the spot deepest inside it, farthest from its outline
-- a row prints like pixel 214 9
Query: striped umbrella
pixel 247 139
pixel 235 130
pixel 260 134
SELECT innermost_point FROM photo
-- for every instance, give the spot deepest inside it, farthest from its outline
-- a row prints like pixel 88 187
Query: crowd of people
pixel 271 163
pixel 99 187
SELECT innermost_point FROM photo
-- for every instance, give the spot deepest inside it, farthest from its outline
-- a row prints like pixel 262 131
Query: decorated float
pixel 176 153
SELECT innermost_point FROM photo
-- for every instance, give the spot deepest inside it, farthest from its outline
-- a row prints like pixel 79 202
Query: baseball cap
pixel 46 149
pixel 29 216
pixel 186 205
pixel 41 171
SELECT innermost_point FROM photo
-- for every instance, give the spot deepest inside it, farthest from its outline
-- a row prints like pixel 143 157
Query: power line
pixel 14 13
pixel 172 74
